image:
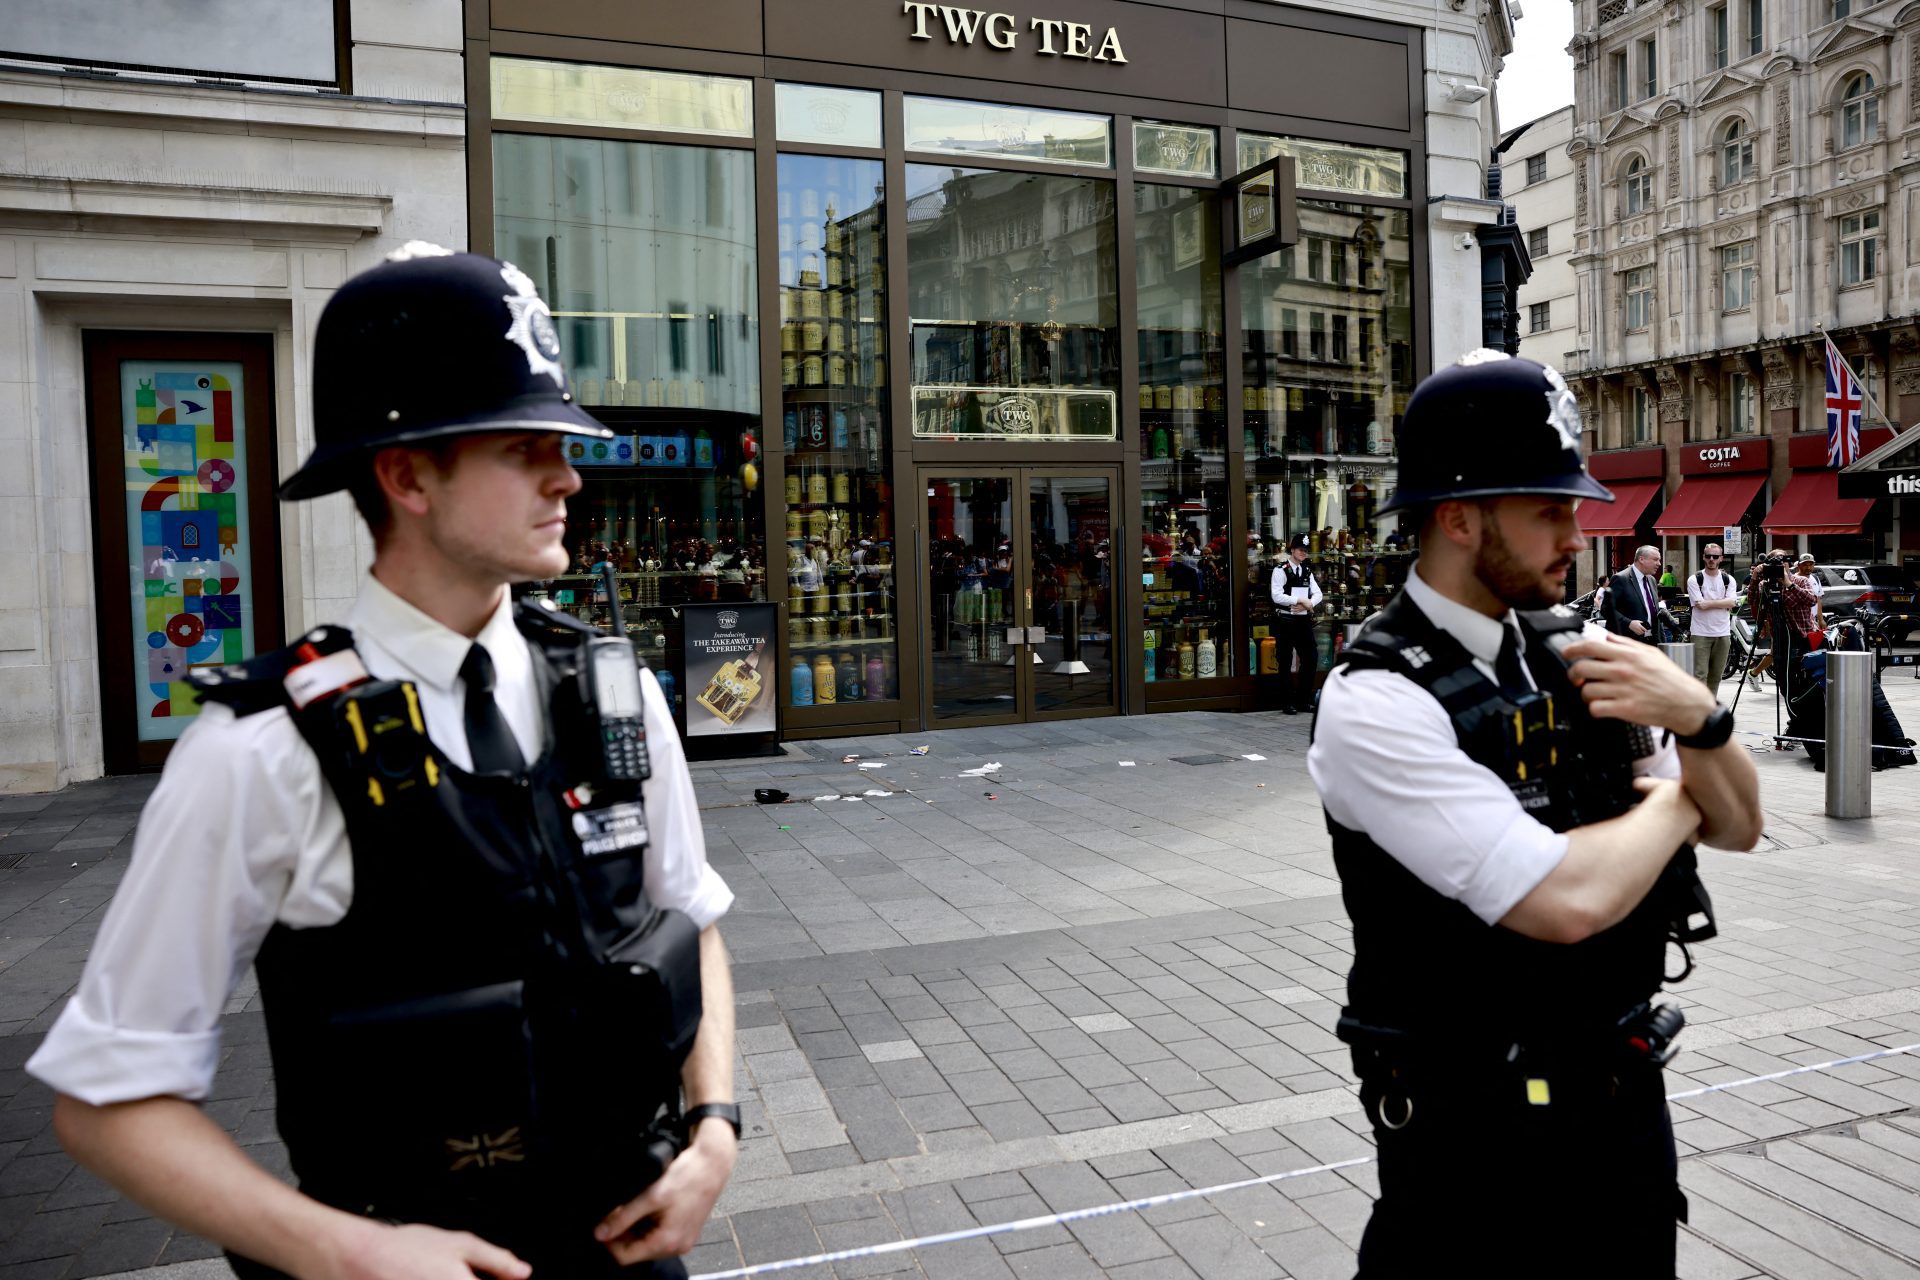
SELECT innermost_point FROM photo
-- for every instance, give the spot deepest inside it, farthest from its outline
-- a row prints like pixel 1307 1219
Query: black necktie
pixel 488 738
pixel 1507 668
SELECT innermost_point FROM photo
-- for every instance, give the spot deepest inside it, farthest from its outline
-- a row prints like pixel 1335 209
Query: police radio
pixel 610 692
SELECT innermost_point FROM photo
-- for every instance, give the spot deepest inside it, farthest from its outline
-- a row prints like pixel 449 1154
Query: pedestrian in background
pixel 1632 605
pixel 1712 594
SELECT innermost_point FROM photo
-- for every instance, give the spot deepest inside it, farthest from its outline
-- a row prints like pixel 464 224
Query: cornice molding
pixel 163 104
pixel 286 211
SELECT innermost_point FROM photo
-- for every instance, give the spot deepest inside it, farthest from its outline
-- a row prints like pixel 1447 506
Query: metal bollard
pixel 1680 652
pixel 1850 735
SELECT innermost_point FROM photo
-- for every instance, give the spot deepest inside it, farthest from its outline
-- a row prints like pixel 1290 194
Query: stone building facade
pixel 182 186
pixel 1538 176
pixel 1746 183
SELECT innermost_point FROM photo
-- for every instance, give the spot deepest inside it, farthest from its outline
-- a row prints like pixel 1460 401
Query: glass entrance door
pixel 1017 563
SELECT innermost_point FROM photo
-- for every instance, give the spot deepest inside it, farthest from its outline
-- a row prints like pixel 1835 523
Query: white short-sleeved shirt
pixel 1707 624
pixel 1282 593
pixel 1387 763
pixel 243 833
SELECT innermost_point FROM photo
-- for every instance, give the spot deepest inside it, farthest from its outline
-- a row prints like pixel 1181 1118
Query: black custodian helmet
pixel 1490 425
pixel 427 345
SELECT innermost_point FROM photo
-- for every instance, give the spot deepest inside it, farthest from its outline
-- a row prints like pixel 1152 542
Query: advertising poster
pixel 730 677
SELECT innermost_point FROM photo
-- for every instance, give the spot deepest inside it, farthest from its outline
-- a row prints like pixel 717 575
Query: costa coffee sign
pixel 1717 456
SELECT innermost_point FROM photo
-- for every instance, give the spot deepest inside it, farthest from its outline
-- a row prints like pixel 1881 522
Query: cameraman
pixel 1787 600
pixel 486 942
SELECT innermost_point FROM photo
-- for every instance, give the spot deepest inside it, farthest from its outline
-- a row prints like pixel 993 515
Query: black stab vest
pixel 1425 965
pixel 1295 578
pixel 464 1047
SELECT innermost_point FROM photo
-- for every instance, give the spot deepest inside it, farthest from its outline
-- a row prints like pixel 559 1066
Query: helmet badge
pixel 1562 411
pixel 532 328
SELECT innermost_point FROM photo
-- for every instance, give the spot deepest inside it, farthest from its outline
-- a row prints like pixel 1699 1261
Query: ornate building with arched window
pixel 1739 196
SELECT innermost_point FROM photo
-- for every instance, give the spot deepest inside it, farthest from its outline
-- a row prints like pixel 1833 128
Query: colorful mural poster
pixel 191 569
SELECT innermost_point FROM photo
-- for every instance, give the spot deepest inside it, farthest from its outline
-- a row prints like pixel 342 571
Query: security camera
pixel 1462 90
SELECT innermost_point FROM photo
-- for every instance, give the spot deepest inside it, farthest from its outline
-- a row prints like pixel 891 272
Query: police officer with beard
pixel 456 839
pixel 1512 804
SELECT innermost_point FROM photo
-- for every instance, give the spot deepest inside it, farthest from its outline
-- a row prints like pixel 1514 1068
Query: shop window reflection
pixel 646 252
pixel 1184 551
pixel 1015 304
pixel 837 451
pixel 1319 422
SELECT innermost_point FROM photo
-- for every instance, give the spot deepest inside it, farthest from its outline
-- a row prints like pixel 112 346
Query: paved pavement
pixel 1105 969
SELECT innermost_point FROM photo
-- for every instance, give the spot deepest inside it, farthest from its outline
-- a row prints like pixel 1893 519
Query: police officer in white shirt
pixel 1712 594
pixel 457 839
pixel 1298 594
pixel 1513 885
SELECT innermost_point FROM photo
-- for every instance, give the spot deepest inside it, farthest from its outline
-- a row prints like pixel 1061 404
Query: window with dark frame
pixel 1537 243
pixel 1717 45
pixel 1540 317
pixel 1536 168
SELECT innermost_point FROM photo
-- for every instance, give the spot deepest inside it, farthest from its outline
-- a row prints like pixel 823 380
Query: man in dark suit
pixel 1632 604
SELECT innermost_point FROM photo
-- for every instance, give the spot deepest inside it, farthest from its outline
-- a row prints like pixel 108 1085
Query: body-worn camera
pixel 386 739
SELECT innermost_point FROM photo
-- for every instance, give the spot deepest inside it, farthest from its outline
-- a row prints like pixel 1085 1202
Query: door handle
pixel 1016 635
pixel 1036 635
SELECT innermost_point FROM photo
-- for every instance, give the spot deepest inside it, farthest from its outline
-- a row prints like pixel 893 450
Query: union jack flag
pixel 1844 403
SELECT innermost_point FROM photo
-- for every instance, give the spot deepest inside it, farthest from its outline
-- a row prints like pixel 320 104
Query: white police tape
pixel 1794 1071
pixel 1172 1197
pixel 1025 1224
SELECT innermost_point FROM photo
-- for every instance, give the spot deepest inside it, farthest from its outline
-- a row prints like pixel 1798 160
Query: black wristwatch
pixel 728 1111
pixel 1714 733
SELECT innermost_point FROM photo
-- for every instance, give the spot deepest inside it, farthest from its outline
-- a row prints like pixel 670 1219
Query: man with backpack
pixel 1712 593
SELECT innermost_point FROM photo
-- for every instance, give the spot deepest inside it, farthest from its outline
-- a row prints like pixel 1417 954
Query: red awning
pixel 1708 504
pixel 1812 504
pixel 1617 519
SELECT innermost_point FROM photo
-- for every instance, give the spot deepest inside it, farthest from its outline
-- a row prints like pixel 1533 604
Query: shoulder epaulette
pixel 259 683
pixel 1547 621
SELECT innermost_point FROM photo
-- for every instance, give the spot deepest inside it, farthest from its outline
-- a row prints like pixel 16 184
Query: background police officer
pixel 1297 595
pixel 1512 904
pixel 401 904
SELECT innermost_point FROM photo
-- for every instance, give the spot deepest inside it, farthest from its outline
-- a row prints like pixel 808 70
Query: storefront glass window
pixel 1180 149
pixel 837 449
pixel 1319 430
pixel 1015 304
pixel 829 117
pixel 646 253
pixel 980 129
pixel 1331 166
pixel 1185 570
pixel 537 91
